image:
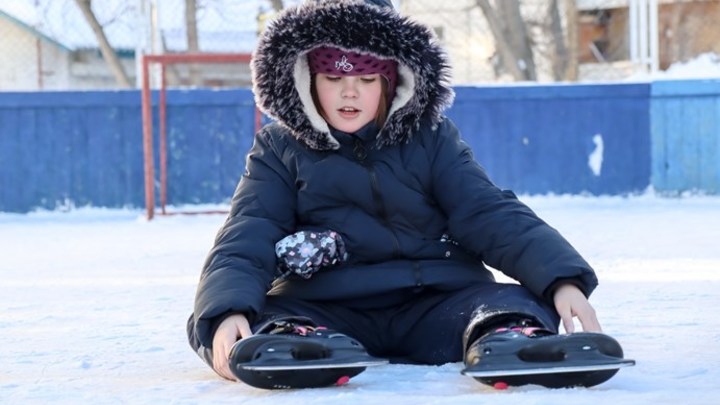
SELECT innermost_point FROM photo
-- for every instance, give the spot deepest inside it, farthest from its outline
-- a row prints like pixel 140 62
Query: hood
pixel 281 76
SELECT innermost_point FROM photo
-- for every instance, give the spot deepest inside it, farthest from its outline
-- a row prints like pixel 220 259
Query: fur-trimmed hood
pixel 281 76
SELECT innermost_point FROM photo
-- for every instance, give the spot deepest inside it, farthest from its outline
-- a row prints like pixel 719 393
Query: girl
pixel 361 209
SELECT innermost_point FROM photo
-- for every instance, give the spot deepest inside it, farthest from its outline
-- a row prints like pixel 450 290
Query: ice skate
pixel 528 355
pixel 288 354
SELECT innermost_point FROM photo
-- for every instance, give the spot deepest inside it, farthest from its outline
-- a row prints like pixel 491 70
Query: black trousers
pixel 428 328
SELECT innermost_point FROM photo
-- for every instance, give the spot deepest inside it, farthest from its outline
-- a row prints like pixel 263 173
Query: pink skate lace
pixel 529 331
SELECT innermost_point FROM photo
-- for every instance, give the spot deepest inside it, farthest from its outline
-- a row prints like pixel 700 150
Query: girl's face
pixel 348 102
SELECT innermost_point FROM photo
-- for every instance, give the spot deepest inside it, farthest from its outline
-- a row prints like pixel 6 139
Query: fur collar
pixel 281 77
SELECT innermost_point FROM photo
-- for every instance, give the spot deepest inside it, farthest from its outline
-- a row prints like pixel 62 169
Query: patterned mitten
pixel 305 252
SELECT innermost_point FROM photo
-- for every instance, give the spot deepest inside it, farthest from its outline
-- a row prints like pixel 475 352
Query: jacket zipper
pixel 361 156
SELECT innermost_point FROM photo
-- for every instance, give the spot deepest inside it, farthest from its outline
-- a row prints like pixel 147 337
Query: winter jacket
pixel 412 206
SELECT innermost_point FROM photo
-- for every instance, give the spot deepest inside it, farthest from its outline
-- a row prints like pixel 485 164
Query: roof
pixel 223 25
pixel 607 4
pixel 24 26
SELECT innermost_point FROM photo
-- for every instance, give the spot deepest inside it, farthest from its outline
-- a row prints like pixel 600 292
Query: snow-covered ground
pixel 93 306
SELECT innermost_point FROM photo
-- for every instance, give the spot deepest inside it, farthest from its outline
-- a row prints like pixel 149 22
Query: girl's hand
pixel 231 329
pixel 570 302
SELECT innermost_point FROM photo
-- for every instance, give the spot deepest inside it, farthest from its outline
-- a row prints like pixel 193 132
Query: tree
pixel 516 51
pixel 512 41
pixel 571 16
pixel 107 51
pixel 563 53
pixel 193 42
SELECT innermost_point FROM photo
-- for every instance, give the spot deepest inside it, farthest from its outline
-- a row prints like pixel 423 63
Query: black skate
pixel 519 356
pixel 293 355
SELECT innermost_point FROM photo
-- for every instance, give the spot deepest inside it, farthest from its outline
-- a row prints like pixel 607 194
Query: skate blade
pixel 312 366
pixel 548 370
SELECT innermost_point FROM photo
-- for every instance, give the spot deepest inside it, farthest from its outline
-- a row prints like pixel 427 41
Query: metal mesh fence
pixel 49 44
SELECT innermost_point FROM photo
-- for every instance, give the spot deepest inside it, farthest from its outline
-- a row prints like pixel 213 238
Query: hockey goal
pixel 164 62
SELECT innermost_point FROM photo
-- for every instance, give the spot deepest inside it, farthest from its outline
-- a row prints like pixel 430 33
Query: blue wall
pixel 58 147
pixel 686 136
pixel 208 135
pixel 539 139
pixel 85 148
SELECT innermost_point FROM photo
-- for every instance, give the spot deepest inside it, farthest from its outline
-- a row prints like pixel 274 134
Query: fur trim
pixel 281 77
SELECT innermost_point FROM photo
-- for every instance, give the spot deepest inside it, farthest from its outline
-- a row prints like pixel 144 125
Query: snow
pixel 706 65
pixel 703 66
pixel 93 305
pixel 595 159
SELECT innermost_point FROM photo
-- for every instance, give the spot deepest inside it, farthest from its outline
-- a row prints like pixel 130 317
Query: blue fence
pixel 685 136
pixel 559 139
pixel 85 148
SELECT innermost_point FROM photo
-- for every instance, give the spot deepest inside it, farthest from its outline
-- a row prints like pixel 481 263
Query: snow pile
pixel 704 66
pixel 93 305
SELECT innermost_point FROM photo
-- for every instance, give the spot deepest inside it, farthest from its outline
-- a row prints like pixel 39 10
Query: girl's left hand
pixel 570 302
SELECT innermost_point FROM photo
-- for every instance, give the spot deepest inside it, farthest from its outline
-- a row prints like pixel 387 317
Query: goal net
pixel 179 70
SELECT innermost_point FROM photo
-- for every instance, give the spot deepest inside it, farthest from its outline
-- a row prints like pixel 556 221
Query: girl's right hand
pixel 231 329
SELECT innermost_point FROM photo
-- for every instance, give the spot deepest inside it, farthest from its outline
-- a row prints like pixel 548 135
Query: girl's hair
pixel 382 111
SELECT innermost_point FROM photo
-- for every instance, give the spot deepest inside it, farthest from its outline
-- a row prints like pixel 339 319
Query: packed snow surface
pixel 93 305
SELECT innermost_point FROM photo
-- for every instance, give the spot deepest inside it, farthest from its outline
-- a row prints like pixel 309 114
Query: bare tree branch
pixel 192 39
pixel 511 37
pixel 517 33
pixel 107 51
pixel 559 50
pixel 571 16
pixel 562 46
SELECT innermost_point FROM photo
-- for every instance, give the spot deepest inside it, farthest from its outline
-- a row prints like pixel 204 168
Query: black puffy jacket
pixel 394 193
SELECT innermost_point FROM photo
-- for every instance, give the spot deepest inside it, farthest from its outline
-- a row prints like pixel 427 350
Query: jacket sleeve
pixel 496 226
pixel 240 267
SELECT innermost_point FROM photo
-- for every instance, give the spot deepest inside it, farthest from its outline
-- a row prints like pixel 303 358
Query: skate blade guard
pixel 556 361
pixel 292 361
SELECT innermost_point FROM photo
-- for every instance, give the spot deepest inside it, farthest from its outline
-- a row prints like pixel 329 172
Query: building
pixel 686 29
pixel 24 52
pixel 50 46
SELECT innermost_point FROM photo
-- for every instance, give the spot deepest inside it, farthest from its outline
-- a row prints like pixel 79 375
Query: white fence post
pixel 644 41
pixel 654 12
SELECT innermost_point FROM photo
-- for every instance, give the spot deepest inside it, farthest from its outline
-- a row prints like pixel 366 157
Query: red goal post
pixel 147 119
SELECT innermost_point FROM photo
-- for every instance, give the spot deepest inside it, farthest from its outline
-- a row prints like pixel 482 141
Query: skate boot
pixel 519 355
pixel 296 353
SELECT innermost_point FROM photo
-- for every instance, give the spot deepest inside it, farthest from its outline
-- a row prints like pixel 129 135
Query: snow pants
pixel 433 327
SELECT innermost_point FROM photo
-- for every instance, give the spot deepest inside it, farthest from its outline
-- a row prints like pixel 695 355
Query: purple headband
pixel 335 61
